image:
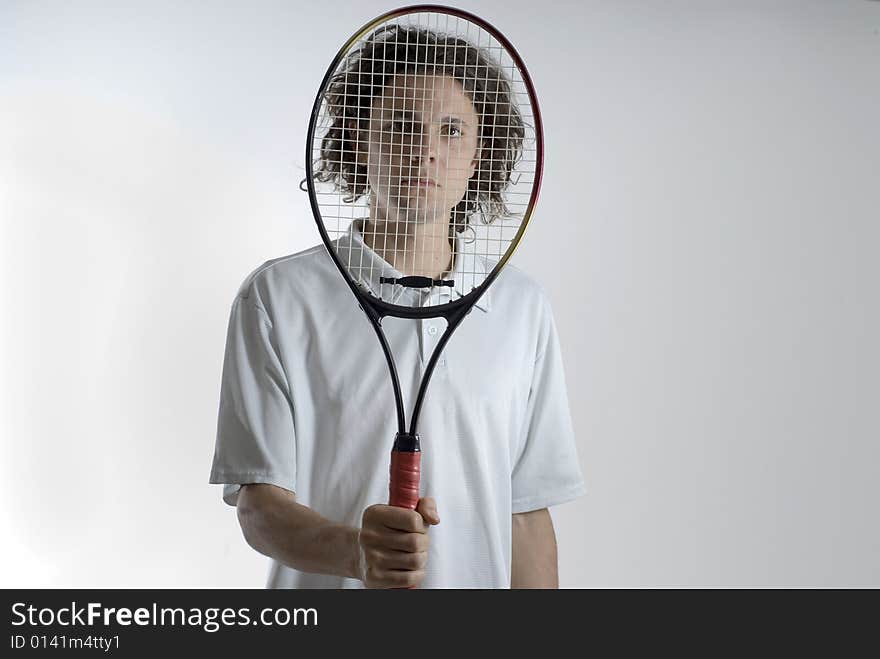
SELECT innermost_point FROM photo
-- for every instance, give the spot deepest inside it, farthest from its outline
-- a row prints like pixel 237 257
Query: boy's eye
pixel 453 130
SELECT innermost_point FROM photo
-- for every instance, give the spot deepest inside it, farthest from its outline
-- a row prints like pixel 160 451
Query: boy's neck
pixel 413 249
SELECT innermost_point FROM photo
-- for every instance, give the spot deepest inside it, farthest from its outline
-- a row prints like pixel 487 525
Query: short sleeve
pixel 255 424
pixel 547 471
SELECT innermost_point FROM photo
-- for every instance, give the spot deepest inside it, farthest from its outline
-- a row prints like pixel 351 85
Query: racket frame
pixel 454 311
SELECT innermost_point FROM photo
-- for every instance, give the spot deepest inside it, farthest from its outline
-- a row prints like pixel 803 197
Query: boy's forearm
pixel 275 525
pixel 533 560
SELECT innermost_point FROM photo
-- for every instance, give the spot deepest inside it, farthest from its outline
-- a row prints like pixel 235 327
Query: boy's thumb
pixel 427 508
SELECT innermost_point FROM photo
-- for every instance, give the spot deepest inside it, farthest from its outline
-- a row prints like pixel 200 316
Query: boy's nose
pixel 423 146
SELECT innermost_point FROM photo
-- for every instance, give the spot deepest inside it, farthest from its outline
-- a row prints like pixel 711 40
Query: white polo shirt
pixel 306 404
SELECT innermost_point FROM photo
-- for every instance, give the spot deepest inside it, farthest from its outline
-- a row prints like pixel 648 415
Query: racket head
pixel 426 128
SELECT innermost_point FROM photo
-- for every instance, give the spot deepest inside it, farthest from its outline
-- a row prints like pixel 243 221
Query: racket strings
pixel 403 173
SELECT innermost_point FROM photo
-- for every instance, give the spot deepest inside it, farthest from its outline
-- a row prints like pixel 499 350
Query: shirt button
pixel 432 330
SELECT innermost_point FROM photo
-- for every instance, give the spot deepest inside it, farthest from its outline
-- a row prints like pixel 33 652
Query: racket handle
pixel 406 460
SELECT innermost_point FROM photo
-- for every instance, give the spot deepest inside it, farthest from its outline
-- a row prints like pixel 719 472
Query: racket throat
pixel 415 281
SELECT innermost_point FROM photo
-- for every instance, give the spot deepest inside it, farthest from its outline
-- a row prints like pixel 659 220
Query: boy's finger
pixel 427 508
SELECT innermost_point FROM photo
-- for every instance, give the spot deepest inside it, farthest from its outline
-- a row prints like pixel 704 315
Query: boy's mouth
pixel 419 183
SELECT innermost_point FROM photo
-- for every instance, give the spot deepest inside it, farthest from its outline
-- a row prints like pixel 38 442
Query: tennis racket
pixel 423 165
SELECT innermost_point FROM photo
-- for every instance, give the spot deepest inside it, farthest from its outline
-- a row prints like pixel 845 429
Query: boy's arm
pixel 533 559
pixel 275 525
pixel 390 550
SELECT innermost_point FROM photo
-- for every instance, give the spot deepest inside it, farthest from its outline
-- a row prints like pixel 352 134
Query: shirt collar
pixel 366 267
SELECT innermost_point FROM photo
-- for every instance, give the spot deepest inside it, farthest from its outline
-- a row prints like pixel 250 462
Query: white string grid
pixel 426 140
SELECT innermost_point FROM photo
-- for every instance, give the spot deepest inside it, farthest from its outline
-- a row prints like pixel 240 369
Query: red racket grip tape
pixel 406 467
pixel 406 461
pixel 405 471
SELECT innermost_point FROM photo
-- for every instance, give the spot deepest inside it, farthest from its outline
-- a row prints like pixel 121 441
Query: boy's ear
pixel 357 139
pixel 476 160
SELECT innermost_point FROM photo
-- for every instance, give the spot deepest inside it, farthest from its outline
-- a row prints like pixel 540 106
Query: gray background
pixel 707 233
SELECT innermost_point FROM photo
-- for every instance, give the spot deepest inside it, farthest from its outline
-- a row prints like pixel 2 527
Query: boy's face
pixel 421 148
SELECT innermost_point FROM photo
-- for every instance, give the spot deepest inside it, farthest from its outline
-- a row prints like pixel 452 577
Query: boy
pixel 306 408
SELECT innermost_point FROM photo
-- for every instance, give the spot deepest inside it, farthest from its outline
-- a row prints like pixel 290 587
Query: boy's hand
pixel 394 544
